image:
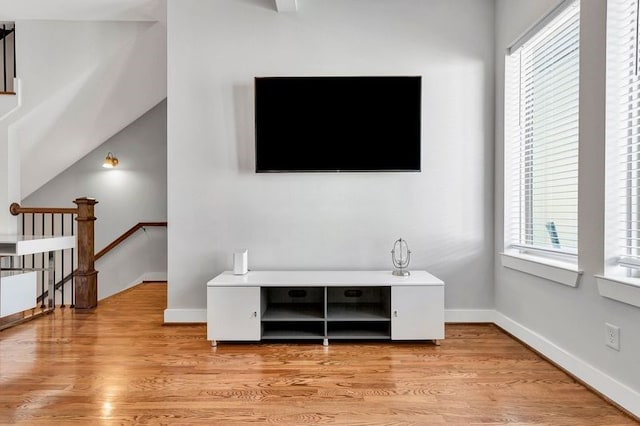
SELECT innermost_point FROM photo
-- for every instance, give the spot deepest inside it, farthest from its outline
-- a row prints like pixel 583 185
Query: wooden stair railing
pixel 127 234
pixel 85 276
pixel 16 209
pixel 108 248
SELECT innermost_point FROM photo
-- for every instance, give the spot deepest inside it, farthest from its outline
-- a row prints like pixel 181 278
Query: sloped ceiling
pixel 91 98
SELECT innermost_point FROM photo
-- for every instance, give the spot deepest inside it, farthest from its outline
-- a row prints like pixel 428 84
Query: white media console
pixel 324 305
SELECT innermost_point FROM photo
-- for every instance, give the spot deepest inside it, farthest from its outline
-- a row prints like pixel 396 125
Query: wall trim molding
pixel 152 276
pixel 552 270
pixel 625 290
pixel 602 383
pixel 147 276
pixel 185 316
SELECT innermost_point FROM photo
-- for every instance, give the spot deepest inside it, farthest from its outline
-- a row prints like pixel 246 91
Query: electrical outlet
pixel 612 338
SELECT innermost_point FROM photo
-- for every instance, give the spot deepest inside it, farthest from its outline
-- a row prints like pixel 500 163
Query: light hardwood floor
pixel 120 365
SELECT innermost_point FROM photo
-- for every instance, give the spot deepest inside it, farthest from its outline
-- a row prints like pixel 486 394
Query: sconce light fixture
pixel 110 162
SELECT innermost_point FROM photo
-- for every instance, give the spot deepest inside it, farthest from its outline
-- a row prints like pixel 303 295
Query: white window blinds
pixel 623 134
pixel 541 135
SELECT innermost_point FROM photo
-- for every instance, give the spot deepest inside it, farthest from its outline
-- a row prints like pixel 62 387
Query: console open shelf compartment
pixel 359 304
pixel 293 304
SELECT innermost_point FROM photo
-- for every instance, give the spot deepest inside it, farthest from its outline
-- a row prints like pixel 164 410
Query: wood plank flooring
pixel 120 365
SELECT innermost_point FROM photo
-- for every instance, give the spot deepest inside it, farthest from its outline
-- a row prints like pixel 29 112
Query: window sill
pixel 553 270
pixel 625 290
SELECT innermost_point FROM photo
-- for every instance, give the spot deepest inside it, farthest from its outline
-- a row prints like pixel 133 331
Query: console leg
pixel 437 342
pixel 214 343
pixel 325 342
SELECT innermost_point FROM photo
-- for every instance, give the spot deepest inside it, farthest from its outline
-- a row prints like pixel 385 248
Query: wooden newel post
pixel 86 277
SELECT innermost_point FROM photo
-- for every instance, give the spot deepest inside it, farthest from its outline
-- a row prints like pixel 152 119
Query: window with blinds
pixel 623 134
pixel 541 135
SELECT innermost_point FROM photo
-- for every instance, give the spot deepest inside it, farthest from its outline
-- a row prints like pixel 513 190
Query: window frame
pixel 621 278
pixel 529 251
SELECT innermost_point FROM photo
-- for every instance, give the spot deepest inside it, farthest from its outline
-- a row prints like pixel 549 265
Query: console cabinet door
pixel 233 313
pixel 417 312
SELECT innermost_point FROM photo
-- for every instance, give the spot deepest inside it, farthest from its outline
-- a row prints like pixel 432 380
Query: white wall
pixel 216 203
pixel 133 192
pixel 570 320
pixel 142 257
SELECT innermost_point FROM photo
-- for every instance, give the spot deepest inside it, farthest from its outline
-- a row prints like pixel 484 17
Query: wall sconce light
pixel 110 162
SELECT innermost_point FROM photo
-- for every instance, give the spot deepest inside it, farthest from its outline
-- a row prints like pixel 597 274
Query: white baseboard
pixel 153 276
pixel 185 316
pixel 469 315
pixel 147 276
pixel 617 392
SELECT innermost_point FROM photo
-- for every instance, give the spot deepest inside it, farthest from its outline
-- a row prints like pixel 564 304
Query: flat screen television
pixel 338 124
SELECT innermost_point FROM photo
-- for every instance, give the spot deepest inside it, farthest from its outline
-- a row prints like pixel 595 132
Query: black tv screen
pixel 337 124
